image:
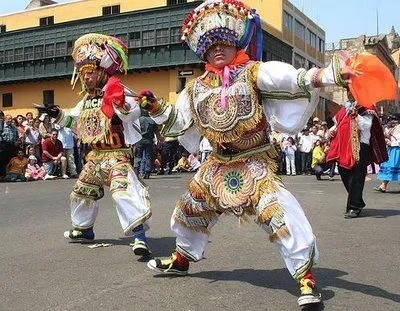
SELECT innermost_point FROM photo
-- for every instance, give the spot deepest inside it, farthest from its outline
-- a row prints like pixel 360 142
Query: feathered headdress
pixel 223 21
pixel 99 50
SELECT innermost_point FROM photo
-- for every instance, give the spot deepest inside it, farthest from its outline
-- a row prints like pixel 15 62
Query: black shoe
pixel 160 173
pixel 309 294
pixel 352 213
pixel 140 248
pixel 80 235
pixel 167 266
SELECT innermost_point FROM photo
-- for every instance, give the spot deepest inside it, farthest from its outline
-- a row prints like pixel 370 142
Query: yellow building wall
pixel 162 83
pixel 70 11
pixel 269 10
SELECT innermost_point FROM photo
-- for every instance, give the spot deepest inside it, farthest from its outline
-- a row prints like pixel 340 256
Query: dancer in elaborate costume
pixel 107 120
pixel 390 170
pixel 233 104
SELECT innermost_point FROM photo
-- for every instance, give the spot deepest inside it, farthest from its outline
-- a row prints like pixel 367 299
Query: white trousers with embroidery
pixel 131 203
pixel 298 249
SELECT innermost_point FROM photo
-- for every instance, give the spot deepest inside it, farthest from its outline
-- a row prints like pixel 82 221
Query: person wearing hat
pixel 323 131
pixel 33 170
pixel 234 104
pixel 107 120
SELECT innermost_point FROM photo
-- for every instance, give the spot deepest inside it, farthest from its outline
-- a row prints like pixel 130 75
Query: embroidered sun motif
pixel 233 182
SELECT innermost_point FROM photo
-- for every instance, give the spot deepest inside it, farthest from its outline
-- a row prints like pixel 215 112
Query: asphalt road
pixel 40 270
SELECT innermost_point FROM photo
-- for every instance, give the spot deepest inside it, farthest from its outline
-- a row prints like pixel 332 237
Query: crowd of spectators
pixel 33 148
pixel 305 152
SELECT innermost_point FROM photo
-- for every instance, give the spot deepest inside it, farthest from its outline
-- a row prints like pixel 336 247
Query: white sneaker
pixel 65 176
pixel 47 176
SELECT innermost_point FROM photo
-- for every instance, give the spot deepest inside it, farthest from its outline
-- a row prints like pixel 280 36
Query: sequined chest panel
pixel 242 112
pixel 96 129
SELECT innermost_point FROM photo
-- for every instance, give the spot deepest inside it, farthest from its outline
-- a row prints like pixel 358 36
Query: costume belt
pixel 267 148
pixel 122 154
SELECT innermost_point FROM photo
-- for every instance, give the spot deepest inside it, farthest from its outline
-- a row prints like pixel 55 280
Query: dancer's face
pixel 90 78
pixel 220 55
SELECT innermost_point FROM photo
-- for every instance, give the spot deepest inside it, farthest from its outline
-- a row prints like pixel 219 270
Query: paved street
pixel 40 270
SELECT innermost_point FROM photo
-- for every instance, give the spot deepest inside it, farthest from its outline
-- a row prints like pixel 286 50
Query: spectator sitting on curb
pixel 33 170
pixel 52 156
pixel 16 168
pixel 319 164
pixel 183 164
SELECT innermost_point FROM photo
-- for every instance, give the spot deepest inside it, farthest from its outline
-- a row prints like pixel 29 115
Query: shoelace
pixel 305 287
pixel 172 258
pixel 76 233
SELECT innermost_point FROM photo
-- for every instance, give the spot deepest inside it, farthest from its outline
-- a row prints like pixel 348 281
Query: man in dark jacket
pixel 145 146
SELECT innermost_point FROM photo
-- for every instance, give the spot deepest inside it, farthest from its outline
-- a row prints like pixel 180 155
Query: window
pixel 174 2
pixel 18 54
pixel 321 45
pixel 61 48
pixel 148 38
pixel 175 35
pixel 28 53
pixel 312 39
pixel 1 57
pixel 69 47
pixel 9 56
pixel 299 61
pixel 180 85
pixel 49 50
pixel 2 28
pixel 108 10
pixel 7 100
pixel 300 30
pixel 162 36
pixel 46 21
pixel 288 21
pixel 48 97
pixel 134 39
pixel 122 37
pixel 39 51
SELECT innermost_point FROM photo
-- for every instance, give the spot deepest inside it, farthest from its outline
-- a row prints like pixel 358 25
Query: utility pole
pixel 377 22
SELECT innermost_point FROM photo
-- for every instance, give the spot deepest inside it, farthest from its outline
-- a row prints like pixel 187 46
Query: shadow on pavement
pixel 379 213
pixel 281 279
pixel 162 247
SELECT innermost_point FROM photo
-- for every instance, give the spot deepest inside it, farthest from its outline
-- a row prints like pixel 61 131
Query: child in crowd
pixel 183 164
pixel 33 170
pixel 16 168
pixel 290 149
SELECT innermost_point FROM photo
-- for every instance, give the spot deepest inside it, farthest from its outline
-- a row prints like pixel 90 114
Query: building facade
pixel 36 44
pixel 384 47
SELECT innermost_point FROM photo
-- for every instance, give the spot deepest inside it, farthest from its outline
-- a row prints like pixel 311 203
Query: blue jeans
pixel 145 154
pixel 321 168
pixel 49 167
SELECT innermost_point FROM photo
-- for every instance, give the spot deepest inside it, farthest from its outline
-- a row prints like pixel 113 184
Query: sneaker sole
pixel 141 251
pixel 170 271
pixel 308 300
pixel 77 239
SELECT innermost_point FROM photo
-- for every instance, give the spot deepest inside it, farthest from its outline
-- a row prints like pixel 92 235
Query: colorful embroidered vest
pixel 96 129
pixel 242 124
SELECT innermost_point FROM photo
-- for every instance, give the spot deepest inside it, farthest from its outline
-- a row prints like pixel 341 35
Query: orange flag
pixel 376 83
